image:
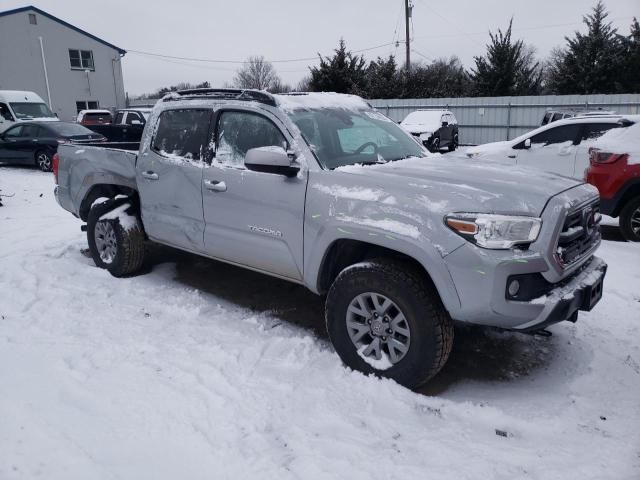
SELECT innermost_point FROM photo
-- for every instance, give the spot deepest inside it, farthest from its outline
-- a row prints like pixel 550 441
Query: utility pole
pixel 408 7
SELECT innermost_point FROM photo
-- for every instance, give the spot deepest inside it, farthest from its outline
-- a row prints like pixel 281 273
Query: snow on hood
pixel 321 100
pixel 453 184
pixel 621 140
pixel 490 148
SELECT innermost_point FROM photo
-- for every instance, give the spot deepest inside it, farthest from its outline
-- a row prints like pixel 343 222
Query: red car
pixel 615 170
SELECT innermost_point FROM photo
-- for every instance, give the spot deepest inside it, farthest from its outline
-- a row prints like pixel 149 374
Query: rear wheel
pixel 384 319
pixel 116 237
pixel 630 220
pixel 43 160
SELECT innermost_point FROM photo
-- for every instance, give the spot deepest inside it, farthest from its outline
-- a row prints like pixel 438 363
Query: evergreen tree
pixel 631 70
pixel 381 78
pixel 591 62
pixel 341 73
pixel 508 68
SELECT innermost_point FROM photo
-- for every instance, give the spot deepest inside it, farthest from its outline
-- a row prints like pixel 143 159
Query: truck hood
pixel 453 184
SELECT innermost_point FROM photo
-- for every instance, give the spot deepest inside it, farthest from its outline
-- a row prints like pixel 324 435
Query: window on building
pixel 81 59
pixel 32 19
pixel 87 105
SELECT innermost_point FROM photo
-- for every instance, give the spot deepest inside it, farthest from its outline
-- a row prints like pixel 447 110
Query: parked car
pixel 435 129
pixel 21 106
pixel 560 147
pixel 555 115
pixel 615 171
pixel 35 143
pixel 322 190
pixel 94 117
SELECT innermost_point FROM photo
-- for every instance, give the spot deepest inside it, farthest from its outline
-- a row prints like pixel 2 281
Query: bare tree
pixel 257 73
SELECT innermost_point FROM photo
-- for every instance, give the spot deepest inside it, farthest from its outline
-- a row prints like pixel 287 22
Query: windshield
pixel 69 129
pixel 340 137
pixel 25 110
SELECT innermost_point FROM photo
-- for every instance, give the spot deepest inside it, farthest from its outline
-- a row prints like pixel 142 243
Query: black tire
pixel 431 327
pixel 454 143
pixel 43 160
pixel 435 145
pixel 128 244
pixel 629 218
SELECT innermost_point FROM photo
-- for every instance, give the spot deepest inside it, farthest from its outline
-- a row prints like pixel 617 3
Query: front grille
pixel 580 232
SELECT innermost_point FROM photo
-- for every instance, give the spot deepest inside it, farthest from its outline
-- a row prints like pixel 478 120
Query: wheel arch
pixel 630 191
pixel 107 190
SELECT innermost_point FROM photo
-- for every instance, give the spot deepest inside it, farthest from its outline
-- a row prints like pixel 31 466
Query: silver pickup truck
pixel 322 190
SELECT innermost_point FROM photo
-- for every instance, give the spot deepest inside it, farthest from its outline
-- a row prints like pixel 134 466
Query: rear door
pixel 553 150
pixel 169 178
pixel 253 218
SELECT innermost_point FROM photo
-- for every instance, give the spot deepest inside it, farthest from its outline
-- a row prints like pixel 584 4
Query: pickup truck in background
pixel 324 191
pixel 126 128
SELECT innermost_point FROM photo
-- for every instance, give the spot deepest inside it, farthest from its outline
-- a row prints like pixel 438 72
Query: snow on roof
pixel 420 117
pixel 19 96
pixel 622 140
pixel 320 100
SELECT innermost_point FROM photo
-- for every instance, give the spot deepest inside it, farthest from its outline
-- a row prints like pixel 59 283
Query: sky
pixel 233 30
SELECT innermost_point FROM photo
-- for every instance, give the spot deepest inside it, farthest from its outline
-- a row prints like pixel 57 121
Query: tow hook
pixel 83 227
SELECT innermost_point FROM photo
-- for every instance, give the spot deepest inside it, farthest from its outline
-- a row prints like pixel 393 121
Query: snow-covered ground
pixel 201 370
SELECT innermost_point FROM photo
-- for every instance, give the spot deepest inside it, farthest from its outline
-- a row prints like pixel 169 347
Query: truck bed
pixel 82 167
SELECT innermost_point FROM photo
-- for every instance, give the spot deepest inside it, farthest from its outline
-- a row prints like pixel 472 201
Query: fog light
pixel 514 288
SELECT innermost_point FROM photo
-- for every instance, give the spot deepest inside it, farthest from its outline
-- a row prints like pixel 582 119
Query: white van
pixel 18 106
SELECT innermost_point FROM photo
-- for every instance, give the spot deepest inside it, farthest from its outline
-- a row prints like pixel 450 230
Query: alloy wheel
pixel 106 242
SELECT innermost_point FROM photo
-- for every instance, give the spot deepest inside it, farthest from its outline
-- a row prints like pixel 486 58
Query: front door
pixel 253 218
pixel 169 178
pixel 553 150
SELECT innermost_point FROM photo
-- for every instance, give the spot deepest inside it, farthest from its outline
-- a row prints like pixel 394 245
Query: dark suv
pixel 436 129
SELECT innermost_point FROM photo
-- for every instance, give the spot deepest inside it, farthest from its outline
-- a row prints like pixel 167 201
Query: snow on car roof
pixel 424 116
pixel 295 101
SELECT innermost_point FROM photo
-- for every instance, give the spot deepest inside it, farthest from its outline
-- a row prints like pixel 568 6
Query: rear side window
pixel 565 133
pixel 594 130
pixel 547 118
pixel 30 131
pixel 239 132
pixel 182 133
pixel 119 116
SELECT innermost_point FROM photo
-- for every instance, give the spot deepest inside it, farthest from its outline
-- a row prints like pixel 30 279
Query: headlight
pixel 494 231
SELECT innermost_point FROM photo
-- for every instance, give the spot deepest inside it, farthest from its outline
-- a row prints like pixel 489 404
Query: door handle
pixel 150 175
pixel 215 186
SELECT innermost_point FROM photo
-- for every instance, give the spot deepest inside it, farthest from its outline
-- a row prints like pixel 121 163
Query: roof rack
pixel 228 93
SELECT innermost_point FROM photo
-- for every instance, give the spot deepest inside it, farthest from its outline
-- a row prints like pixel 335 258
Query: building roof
pixel 62 22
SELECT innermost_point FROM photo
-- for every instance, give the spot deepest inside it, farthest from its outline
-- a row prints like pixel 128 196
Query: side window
pixel 30 131
pixel 239 132
pixel 131 116
pixel 565 133
pixel 595 130
pixel 557 116
pixel 547 118
pixel 119 117
pixel 182 133
pixel 14 132
pixel 5 113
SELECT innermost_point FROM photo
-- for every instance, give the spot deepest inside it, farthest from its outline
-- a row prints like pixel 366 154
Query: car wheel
pixel 383 318
pixel 43 160
pixel 116 237
pixel 630 220
pixel 435 145
pixel 454 143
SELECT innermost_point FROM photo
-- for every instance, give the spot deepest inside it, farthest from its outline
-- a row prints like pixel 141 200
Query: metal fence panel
pixel 490 119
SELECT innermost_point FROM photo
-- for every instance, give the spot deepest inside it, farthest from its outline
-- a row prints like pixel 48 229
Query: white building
pixel 68 67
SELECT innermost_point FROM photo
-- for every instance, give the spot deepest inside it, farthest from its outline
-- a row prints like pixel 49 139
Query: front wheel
pixel 43 160
pixel 630 220
pixel 435 145
pixel 115 236
pixel 383 318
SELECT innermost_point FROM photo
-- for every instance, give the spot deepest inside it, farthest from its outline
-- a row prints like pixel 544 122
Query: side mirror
pixel 445 124
pixel 527 143
pixel 271 160
pixel 136 122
